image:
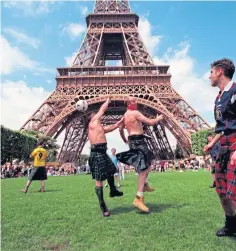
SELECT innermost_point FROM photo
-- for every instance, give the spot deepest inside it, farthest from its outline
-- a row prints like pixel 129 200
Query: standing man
pixel 115 162
pixel 101 166
pixel 139 155
pixel 121 170
pixel 222 72
pixel 38 172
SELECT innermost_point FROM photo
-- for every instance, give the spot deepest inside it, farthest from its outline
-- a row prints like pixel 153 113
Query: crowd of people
pixel 21 169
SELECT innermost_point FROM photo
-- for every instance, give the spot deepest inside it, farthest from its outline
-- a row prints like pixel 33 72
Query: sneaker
pixel 116 193
pixel 42 190
pixel 147 188
pixel 139 203
pixel 23 190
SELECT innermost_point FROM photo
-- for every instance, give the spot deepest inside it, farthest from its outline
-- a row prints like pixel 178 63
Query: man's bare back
pixel 133 120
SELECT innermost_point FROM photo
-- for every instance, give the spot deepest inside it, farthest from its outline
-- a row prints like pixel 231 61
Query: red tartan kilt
pixel 226 179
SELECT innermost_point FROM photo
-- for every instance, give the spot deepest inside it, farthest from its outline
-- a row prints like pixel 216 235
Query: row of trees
pixel 19 145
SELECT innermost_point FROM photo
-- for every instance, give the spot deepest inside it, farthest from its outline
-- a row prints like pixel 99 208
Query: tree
pixel 199 140
pixel 52 146
pixel 19 145
pixel 16 145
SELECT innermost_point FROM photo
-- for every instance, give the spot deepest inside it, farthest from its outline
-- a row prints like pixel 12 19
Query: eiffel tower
pixel 112 35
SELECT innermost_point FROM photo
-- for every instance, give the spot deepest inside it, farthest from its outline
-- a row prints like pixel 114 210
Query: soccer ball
pixel 81 105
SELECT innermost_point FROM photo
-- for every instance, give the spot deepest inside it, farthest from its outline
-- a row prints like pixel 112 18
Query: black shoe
pixel 213 185
pixel 224 232
pixel 116 193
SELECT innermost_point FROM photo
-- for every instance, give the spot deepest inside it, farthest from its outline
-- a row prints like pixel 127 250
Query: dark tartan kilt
pixel 101 166
pixel 226 178
pixel 139 155
pixel 38 173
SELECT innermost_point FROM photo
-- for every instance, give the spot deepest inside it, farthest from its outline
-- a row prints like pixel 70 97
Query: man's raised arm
pixel 102 109
pixel 111 128
pixel 147 121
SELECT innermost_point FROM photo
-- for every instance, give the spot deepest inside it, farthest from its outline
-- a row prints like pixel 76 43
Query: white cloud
pixel 84 10
pixel 22 38
pixel 13 59
pixel 74 30
pixel 49 81
pixel 196 90
pixel 30 8
pixel 151 41
pixel 19 101
pixel 70 59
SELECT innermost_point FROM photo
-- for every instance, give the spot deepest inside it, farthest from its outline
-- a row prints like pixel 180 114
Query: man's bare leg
pixel 117 180
pixel 229 207
pixel 147 188
pixel 139 200
pixel 99 192
pixel 42 189
pixel 27 186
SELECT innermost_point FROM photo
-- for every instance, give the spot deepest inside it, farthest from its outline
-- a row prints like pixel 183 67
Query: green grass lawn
pixel 185 215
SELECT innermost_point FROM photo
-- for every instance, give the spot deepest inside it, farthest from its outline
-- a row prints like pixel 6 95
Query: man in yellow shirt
pixel 38 171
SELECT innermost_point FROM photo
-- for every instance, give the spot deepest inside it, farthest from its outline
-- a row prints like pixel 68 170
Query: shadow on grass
pixel 47 191
pixel 154 208
pixel 158 208
pixel 233 238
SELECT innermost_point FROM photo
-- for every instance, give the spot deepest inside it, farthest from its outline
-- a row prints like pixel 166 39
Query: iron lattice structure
pixel 112 34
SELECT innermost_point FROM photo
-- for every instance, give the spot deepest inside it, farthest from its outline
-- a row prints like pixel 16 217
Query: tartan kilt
pixel 101 166
pixel 38 173
pixel 226 178
pixel 139 155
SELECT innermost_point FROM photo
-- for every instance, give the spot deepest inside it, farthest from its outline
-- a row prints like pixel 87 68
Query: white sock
pixel 140 194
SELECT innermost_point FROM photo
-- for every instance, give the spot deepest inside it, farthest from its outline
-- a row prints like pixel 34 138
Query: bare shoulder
pixel 137 113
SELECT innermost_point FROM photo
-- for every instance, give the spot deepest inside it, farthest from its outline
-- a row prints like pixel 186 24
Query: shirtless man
pixel 139 155
pixel 101 166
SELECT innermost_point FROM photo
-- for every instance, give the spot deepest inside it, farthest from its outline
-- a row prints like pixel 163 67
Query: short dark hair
pixel 226 65
pixel 41 142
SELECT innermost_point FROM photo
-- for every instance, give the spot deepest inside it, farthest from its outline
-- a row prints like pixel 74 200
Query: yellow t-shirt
pixel 40 155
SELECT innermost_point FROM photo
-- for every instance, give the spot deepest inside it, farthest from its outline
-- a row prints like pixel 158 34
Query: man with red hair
pixel 139 155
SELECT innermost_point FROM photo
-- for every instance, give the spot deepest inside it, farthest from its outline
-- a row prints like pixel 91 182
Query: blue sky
pixel 37 37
